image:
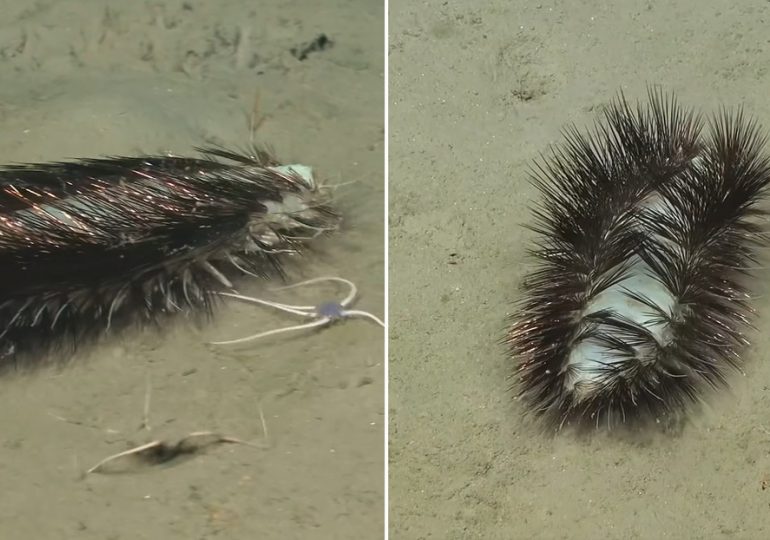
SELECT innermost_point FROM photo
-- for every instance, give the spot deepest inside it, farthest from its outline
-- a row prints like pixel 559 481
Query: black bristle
pixel 92 245
pixel 647 230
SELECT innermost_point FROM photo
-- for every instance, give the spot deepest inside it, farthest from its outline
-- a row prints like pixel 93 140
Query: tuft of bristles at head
pixel 96 244
pixel 647 232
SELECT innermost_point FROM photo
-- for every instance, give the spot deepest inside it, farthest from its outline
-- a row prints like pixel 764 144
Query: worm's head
pixel 301 213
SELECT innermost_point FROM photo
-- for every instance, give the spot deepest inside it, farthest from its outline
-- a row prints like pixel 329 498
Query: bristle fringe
pixel 92 245
pixel 647 235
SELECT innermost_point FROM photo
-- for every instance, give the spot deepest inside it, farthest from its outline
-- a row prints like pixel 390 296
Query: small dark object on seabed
pixel 318 44
pixel 157 453
pixel 97 244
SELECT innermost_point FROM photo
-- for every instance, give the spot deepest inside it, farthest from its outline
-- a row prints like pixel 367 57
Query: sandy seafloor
pixel 478 89
pixel 90 78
